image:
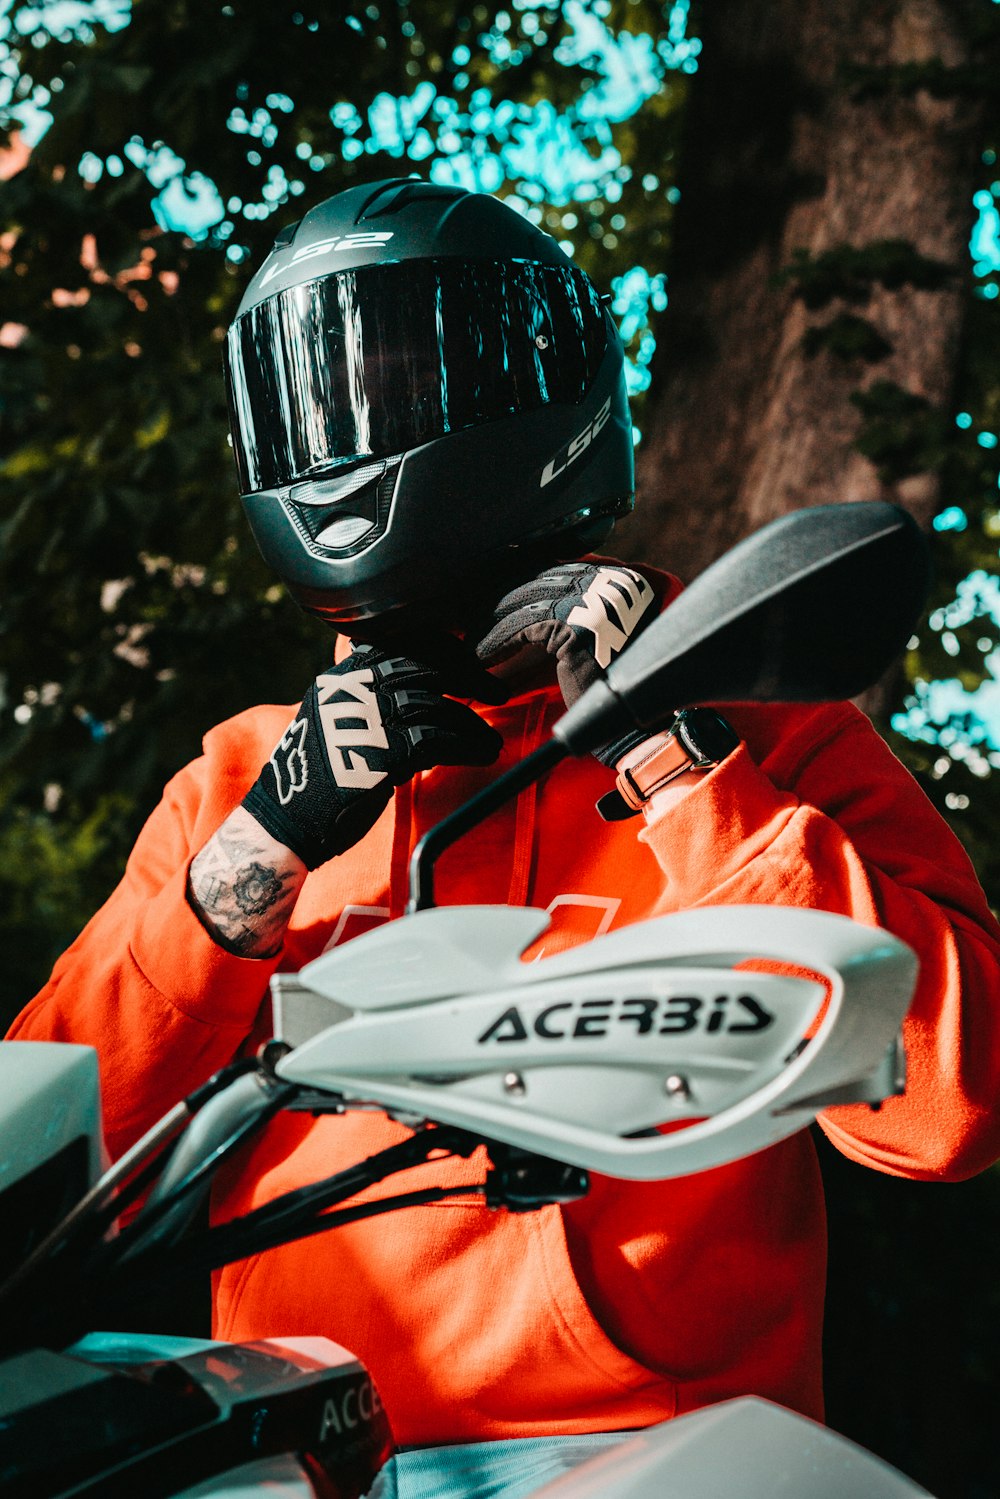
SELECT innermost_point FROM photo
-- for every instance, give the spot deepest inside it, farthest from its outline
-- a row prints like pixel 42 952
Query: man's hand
pixel 364 727
pixel 581 614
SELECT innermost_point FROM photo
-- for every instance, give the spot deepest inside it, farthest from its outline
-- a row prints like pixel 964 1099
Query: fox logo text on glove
pixel 612 608
pixel 364 727
pixel 343 701
pixel 579 614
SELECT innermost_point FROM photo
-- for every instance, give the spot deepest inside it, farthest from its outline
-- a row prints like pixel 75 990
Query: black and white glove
pixel 363 728
pixel 581 614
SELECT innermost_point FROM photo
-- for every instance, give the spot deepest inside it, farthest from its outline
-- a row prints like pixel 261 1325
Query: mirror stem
pixel 470 815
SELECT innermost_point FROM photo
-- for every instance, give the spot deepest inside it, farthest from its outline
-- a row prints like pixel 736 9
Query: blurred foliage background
pixel 148 154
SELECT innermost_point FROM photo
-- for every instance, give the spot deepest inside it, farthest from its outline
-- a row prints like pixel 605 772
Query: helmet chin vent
pixel 337 487
pixel 344 513
pixel 344 531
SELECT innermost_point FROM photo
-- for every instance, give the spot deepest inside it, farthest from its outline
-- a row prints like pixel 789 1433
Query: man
pixel 431 431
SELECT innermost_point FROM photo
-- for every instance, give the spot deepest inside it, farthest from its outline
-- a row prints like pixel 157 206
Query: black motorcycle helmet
pixel 424 392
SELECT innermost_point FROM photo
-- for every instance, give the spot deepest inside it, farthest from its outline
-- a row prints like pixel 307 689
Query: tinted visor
pixel 371 362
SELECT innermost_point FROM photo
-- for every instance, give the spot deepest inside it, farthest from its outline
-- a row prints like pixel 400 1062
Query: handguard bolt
pixel 514 1085
pixel 676 1086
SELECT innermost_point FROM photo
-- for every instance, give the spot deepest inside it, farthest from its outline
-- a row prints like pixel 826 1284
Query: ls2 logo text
pixel 337 244
pixel 579 444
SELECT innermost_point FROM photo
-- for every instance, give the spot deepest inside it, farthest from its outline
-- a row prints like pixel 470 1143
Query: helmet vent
pixel 397 196
pixel 328 491
pixel 344 531
pixel 285 235
pixel 342 515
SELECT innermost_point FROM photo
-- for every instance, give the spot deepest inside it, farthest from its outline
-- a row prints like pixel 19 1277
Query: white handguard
pixel 580 1056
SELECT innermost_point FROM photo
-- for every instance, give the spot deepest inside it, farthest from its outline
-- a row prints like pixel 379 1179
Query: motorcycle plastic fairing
pixel 51 1097
pixel 118 1415
pixel 740 1449
pixel 571 1055
pixel 51 1147
pixel 280 1477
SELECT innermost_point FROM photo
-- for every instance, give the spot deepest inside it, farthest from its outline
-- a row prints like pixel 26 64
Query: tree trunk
pixel 787 151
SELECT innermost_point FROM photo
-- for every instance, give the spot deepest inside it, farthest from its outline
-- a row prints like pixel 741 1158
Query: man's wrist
pixel 243 885
pixel 648 767
pixel 697 741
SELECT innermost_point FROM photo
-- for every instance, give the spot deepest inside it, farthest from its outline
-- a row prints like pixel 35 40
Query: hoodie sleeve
pixel 144 983
pixel 822 815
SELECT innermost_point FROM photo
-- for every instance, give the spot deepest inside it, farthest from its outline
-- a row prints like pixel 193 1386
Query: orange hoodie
pixel 644 1299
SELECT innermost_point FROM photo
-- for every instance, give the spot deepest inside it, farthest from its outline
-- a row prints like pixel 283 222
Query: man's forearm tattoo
pixel 256 889
pixel 242 893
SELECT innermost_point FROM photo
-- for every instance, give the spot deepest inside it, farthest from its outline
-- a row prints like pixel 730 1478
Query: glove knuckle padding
pixel 413 705
pixel 363 727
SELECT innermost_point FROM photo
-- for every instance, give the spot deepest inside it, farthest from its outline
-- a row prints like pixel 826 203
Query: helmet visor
pixel 371 362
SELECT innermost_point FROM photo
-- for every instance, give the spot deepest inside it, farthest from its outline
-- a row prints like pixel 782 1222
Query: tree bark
pixel 784 152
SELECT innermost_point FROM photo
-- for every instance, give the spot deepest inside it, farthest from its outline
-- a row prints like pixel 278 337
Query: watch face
pixel 707 736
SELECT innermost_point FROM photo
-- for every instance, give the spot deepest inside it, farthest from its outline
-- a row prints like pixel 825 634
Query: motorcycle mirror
pixel 813 607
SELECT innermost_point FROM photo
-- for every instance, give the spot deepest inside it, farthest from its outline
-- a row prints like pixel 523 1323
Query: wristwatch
pixel 698 739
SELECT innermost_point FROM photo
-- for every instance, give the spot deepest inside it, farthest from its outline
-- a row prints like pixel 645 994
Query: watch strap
pixel 648 767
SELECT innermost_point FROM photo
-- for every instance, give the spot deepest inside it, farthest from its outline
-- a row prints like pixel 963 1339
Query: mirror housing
pixel 813 607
